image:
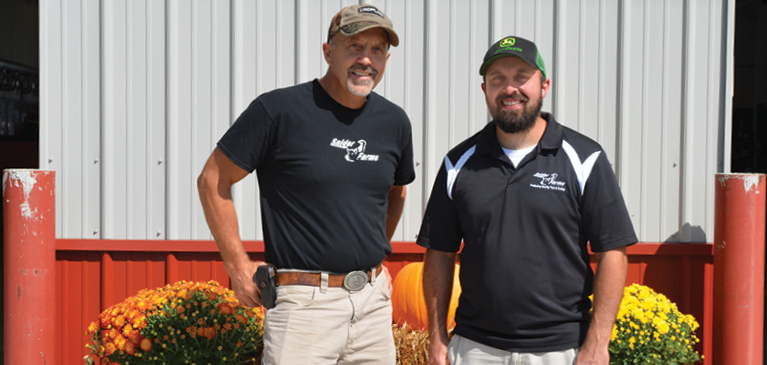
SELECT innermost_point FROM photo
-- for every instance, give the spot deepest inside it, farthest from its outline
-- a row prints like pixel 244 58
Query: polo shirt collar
pixel 487 142
pixel 553 135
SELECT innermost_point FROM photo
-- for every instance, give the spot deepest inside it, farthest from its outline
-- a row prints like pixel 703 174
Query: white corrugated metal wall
pixel 135 93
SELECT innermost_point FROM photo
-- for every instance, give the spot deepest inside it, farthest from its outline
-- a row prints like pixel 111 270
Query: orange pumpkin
pixel 408 303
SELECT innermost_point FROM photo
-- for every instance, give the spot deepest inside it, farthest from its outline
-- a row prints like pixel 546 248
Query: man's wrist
pixel 238 265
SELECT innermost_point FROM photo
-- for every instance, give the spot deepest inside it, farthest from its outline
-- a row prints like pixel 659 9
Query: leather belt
pixel 354 280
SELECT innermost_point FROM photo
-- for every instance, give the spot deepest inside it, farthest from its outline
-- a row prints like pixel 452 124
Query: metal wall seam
pixel 91 69
pixel 245 60
pixel 558 107
pixel 202 113
pixel 480 41
pixel 399 75
pixel 50 95
pixel 728 83
pixel 640 219
pixel 136 126
pixel 432 161
pixel 621 137
pixel 663 213
pixel 156 102
pixel 180 87
pixel 114 131
pixel 688 81
pixel 715 103
pixel 72 112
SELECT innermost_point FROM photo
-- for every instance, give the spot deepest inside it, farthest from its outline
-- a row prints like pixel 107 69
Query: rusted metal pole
pixel 29 258
pixel 739 228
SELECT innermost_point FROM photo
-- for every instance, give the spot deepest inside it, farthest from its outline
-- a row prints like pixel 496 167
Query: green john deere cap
pixel 356 19
pixel 514 46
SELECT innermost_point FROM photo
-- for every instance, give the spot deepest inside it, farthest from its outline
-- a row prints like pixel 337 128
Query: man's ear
pixel 326 50
pixel 545 88
pixel 483 88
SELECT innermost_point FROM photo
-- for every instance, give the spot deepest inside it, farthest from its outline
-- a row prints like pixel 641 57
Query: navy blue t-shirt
pixel 324 172
pixel 525 272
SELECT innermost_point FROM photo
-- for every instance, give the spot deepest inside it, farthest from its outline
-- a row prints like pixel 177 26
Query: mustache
pixel 359 67
pixel 516 95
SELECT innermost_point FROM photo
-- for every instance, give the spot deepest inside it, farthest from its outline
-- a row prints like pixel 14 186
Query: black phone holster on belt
pixel 265 279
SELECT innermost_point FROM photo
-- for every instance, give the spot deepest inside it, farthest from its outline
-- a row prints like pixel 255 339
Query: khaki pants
pixel 331 326
pixel 463 351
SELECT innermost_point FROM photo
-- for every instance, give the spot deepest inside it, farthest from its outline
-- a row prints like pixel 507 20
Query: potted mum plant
pixel 651 330
pixel 186 322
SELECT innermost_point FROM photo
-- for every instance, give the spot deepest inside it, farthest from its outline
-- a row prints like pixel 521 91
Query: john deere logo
pixel 508 42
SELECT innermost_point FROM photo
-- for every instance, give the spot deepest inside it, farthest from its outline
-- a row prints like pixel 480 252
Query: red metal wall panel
pixel 94 274
pixel 78 302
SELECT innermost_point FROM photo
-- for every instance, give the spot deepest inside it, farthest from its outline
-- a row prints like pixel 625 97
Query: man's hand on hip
pixel 242 283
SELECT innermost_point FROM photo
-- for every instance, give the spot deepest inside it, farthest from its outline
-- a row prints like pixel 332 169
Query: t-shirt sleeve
pixel 605 218
pixel 405 173
pixel 249 140
pixel 440 228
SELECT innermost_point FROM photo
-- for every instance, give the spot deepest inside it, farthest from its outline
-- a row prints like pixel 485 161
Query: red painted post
pixel 29 258
pixel 739 228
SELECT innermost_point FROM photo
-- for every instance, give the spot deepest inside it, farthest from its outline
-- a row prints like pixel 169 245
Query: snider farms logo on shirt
pixel 549 182
pixel 355 151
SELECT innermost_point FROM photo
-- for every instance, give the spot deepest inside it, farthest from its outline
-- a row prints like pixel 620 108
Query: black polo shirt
pixel 525 273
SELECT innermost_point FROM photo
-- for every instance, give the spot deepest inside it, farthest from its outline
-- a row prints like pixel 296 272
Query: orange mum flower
pixel 120 342
pixel 129 348
pixel 127 330
pixel 92 328
pixel 110 348
pixel 146 345
pixel 135 337
pixel 140 322
pixel 119 321
pixel 225 308
pixel 209 332
pixel 240 318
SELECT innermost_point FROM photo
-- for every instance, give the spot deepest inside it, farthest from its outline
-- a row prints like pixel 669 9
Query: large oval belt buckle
pixel 355 280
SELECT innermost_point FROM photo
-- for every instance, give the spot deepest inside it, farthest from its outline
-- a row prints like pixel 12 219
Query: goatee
pixel 361 88
pixel 510 123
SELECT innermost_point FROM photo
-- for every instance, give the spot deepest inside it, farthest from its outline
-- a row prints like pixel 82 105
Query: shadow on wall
pixel 688 234
pixel 682 278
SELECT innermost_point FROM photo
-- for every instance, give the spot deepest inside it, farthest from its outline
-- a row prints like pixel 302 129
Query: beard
pixel 358 87
pixel 509 121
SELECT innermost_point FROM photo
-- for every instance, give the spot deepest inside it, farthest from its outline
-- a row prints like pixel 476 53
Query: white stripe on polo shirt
pixel 452 171
pixel 582 170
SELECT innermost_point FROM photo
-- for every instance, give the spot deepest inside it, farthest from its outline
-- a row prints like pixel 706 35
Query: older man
pixel 332 158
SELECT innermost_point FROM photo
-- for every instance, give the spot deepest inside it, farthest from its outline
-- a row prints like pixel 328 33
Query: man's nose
pixel 511 87
pixel 365 58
